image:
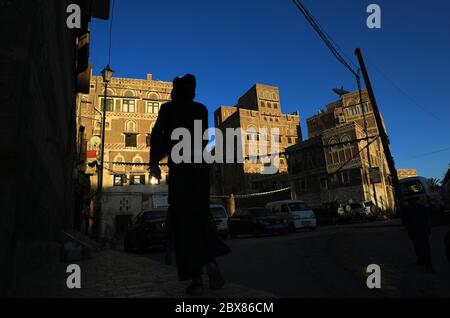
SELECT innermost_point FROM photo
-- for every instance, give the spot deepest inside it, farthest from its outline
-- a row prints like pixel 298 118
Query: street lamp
pixel 107 74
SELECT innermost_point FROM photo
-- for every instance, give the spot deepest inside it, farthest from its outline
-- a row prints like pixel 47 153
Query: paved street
pixel 112 273
pixel 332 262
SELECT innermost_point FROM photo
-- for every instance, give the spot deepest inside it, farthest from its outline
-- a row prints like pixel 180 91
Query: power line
pixel 110 32
pixel 332 41
pixel 322 34
pixel 404 93
pixel 425 154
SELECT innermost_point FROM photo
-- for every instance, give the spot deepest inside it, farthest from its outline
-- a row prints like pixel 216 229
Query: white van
pixel 420 187
pixel 220 216
pixel 296 212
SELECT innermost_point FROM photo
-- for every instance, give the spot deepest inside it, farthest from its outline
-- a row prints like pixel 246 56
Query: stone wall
pixel 37 134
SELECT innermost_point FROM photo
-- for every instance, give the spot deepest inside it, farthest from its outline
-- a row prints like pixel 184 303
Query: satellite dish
pixel 340 91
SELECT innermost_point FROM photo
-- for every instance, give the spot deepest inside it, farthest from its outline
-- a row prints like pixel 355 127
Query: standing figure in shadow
pixel 417 221
pixel 189 218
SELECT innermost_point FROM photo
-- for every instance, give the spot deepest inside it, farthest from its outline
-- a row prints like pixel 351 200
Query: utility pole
pixel 361 103
pixel 382 133
pixel 107 74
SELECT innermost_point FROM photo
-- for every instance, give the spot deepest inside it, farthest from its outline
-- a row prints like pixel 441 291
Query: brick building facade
pixel 132 109
pixel 257 113
pixel 333 165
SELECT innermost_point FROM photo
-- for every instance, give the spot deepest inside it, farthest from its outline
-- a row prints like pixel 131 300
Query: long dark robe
pixel 190 219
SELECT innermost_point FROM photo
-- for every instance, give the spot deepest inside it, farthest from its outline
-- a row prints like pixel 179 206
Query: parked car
pixel 356 210
pixel 296 212
pixel 328 213
pixel 146 229
pixel 420 187
pixel 220 216
pixel 256 221
pixel 371 210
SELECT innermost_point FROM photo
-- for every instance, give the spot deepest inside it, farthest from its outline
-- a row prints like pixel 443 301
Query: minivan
pixel 296 212
pixel 420 187
pixel 220 216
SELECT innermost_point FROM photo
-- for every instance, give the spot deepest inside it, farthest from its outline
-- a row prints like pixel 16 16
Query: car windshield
pixel 412 187
pixel 260 212
pixel 152 215
pixel 298 206
pixel 218 212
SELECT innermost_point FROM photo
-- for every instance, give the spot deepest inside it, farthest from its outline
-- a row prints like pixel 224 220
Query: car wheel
pixel 292 228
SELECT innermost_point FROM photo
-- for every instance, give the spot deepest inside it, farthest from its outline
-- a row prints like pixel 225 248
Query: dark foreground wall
pixel 37 134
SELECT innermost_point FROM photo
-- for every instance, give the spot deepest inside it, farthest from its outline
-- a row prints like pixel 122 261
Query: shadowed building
pixel 333 164
pixel 44 64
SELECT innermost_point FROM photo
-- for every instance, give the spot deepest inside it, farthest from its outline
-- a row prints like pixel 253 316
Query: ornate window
pixel 129 106
pixel 131 140
pixel 130 126
pixel 118 159
pixel 137 163
pixel 129 94
pixel 152 107
pixel 153 96
pixel 109 104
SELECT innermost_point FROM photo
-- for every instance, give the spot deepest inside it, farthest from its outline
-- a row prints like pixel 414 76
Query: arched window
pixel 153 96
pixel 130 126
pixel 348 152
pixel 118 163
pixel 333 141
pixel 137 163
pixel 129 94
pixel 119 158
pixel 346 139
pixel 110 92
pixel 334 150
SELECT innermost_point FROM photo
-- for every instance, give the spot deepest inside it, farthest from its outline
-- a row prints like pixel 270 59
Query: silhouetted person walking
pixel 189 217
pixel 417 222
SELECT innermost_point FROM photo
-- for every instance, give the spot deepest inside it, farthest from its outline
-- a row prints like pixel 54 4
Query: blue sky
pixel 230 45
